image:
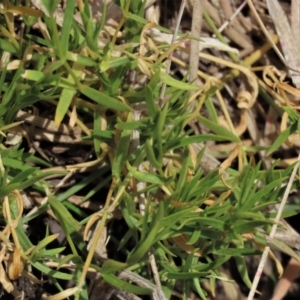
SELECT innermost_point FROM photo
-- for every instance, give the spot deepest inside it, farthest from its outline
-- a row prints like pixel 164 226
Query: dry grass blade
pixel 289 42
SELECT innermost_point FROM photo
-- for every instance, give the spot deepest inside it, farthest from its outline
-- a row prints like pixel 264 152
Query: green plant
pixel 192 220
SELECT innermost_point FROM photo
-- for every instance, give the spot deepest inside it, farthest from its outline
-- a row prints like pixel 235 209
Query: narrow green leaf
pixel 270 100
pixel 50 5
pixel 67 95
pixel 23 185
pixel 265 191
pixel 66 259
pixel 144 123
pixel 291 113
pixel 2 80
pixel 194 237
pixel 82 184
pixel 63 105
pixel 144 176
pixel 11 90
pixel 40 40
pixel 62 213
pixel 213 264
pixel 151 155
pixel 67 26
pixel 282 137
pixel 111 266
pixel 204 221
pixel 145 222
pixel 199 289
pixel 186 275
pixel 123 285
pixel 100 134
pixel 83 60
pixel 246 214
pixel 103 99
pixel 90 41
pixel 51 80
pixel 219 130
pixel 178 84
pixel 24 175
pixel 183 172
pixel 72 235
pixel 179 215
pixel 246 226
pixel 242 268
pixel 42 245
pixel 150 101
pixel 158 132
pixel 107 51
pixel 97 188
pixel 249 184
pixel 8 46
pixel 53 252
pixel 97 130
pixel 52 273
pixel 102 21
pixel 122 151
pixel 144 245
pixel 211 110
pixel 117 78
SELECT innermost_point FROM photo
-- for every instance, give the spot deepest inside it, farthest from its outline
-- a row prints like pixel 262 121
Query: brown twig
pixel 196 30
